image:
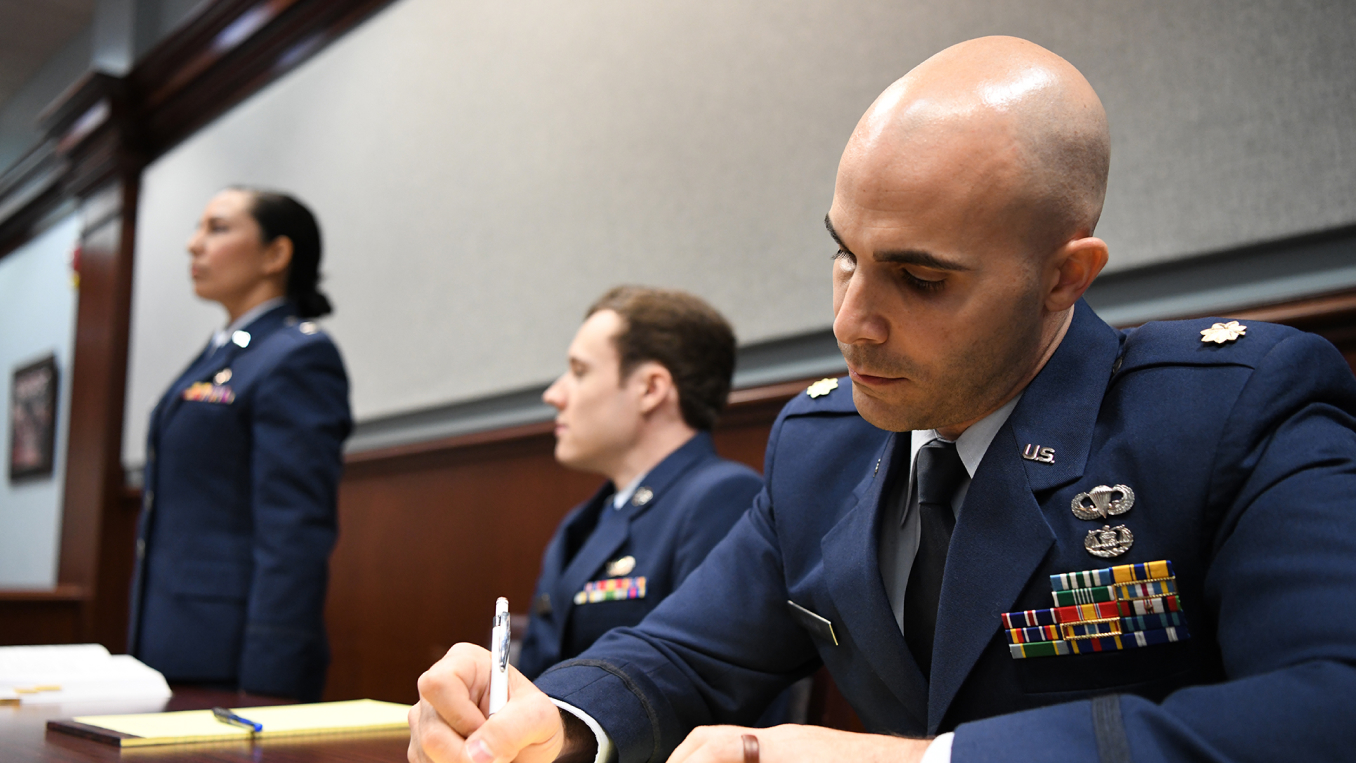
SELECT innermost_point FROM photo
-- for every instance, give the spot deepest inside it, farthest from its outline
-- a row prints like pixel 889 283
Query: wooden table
pixel 24 737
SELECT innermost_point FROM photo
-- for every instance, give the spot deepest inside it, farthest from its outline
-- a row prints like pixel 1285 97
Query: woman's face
pixel 230 261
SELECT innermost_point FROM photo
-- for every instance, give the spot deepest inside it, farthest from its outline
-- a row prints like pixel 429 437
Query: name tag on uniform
pixel 612 589
pixel 206 392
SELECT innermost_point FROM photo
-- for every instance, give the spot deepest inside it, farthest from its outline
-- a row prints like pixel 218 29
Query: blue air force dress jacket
pixel 238 520
pixel 1242 460
pixel 683 507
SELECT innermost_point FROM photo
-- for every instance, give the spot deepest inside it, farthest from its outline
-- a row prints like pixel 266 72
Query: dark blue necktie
pixel 939 473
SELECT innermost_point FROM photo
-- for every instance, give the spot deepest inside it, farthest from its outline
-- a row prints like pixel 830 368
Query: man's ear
pixel 278 255
pixel 656 385
pixel 1072 269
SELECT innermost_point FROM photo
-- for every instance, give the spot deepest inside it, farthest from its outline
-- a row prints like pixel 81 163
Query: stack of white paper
pixel 49 675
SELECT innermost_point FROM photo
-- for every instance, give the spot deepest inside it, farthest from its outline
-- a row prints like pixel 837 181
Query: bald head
pixel 963 213
pixel 999 125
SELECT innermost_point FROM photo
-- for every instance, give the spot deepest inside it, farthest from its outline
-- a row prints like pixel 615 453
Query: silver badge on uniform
pixel 223 376
pixel 1100 503
pixel 622 566
pixel 1109 541
pixel 642 496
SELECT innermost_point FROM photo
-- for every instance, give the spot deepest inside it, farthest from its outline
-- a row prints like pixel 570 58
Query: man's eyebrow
pixel 902 256
pixel 920 258
pixel 837 239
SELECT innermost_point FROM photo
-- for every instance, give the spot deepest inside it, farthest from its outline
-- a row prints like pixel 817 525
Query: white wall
pixel 37 318
pixel 484 170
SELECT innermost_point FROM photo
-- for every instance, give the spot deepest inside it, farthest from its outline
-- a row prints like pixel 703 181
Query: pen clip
pixel 501 624
pixel 228 717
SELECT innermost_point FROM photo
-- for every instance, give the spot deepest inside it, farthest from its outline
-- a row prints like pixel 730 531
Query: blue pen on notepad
pixel 226 716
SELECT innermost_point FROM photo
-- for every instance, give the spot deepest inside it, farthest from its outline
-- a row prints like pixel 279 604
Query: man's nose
pixel 858 318
pixel 554 395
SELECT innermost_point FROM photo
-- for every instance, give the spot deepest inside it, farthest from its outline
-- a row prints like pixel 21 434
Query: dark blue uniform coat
pixel 1242 458
pixel 238 518
pixel 694 498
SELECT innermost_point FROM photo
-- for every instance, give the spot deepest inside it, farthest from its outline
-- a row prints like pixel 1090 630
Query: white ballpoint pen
pixel 499 656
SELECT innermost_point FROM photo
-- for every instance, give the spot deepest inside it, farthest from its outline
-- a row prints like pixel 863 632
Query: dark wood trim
pixel 94 523
pixel 59 593
pixel 1332 316
pixel 104 126
pixel 227 51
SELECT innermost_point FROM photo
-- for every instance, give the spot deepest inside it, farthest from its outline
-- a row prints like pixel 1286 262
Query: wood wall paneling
pixel 431 534
pixel 41 617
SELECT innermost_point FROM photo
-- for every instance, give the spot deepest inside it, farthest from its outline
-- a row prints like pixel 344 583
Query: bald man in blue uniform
pixel 1143 547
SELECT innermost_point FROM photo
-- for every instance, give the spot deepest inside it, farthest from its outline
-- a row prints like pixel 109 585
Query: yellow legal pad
pixel 186 726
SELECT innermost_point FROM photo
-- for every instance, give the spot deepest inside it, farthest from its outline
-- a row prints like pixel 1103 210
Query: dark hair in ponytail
pixel 279 214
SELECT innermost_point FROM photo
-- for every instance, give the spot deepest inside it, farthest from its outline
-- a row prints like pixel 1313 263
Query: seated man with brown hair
pixel 649 372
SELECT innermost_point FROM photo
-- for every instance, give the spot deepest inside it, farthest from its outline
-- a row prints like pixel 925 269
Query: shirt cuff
pixel 605 742
pixel 939 751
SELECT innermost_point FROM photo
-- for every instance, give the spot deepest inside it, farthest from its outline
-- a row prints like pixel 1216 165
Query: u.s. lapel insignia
pixel 1038 454
pixel 1223 332
pixel 308 327
pixel 1102 502
pixel 241 338
pixel 223 376
pixel 822 387
pixel 622 566
pixel 642 496
pixel 1109 541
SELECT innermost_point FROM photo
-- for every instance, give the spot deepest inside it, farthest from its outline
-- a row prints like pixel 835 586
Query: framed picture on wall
pixel 32 419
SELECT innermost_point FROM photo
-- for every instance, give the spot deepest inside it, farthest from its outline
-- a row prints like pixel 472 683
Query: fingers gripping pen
pixel 499 656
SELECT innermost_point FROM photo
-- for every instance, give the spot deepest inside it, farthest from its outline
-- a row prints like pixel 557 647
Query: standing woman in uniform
pixel 243 465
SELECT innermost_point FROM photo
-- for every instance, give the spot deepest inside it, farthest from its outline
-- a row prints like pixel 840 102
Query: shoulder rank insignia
pixel 1223 332
pixel 822 387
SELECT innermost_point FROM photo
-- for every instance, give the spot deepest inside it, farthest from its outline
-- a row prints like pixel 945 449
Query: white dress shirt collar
pixel 223 336
pixel 620 498
pixel 973 442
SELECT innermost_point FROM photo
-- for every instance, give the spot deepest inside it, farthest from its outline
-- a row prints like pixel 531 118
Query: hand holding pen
pixel 499 656
pixel 452 723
